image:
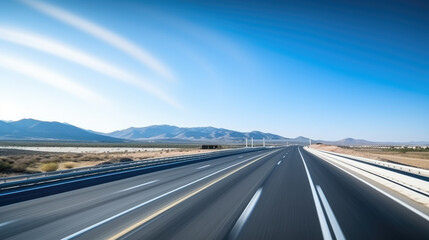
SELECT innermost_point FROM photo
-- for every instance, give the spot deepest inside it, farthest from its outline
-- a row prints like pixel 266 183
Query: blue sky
pixel 326 71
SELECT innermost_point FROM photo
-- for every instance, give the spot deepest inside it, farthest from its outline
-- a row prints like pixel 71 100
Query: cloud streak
pixel 140 54
pixel 64 51
pixel 49 77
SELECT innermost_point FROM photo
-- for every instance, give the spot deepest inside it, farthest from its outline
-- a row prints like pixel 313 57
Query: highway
pixel 284 193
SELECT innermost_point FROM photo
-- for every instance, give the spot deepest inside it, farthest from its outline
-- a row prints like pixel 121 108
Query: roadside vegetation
pixel 49 167
pixel 98 144
pixel 17 162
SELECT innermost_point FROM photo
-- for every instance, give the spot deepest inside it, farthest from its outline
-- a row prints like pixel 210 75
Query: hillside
pixel 194 133
pixel 31 129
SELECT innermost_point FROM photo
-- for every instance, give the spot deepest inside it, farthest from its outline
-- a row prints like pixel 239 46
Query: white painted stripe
pixel 245 215
pixel 240 156
pixel 322 220
pixel 204 166
pixel 334 223
pixel 424 216
pixel 284 156
pixel 278 163
pixel 7 223
pixel 140 185
pixel 71 236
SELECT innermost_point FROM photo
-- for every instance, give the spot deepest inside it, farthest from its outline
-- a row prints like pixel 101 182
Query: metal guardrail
pixel 403 168
pixel 80 172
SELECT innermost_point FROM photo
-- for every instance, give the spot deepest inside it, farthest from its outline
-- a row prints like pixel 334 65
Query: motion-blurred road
pixel 284 193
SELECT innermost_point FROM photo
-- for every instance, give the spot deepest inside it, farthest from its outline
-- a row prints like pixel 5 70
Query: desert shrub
pixel 69 165
pixel 19 167
pixel 4 166
pixel 403 150
pixel 49 167
pixel 105 163
pixel 124 160
pixel 87 158
pixel 50 160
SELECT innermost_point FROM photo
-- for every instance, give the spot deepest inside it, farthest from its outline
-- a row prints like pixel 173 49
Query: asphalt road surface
pixel 284 193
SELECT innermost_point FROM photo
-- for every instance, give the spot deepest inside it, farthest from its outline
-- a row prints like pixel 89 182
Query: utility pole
pixel 252 141
pixel 246 142
pixel 263 142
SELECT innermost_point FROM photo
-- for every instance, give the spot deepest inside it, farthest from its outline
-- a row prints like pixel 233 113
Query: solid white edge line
pixel 331 216
pixel 245 215
pixel 71 236
pixel 140 185
pixel 322 220
pixel 344 160
pixel 384 193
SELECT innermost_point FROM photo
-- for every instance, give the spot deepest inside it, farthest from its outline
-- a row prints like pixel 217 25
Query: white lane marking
pixel 204 166
pixel 331 217
pixel 152 200
pixel 240 156
pixel 424 216
pixel 7 223
pixel 322 220
pixel 140 185
pixel 245 215
pixel 278 163
pixel 284 156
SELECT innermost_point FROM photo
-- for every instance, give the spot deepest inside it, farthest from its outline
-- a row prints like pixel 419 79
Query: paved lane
pixel 61 215
pixel 285 193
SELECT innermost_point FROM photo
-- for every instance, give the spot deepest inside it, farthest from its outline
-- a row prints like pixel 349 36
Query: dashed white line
pixel 140 185
pixel 278 163
pixel 204 166
pixel 322 220
pixel 334 223
pixel 7 223
pixel 284 156
pixel 245 215
pixel 240 156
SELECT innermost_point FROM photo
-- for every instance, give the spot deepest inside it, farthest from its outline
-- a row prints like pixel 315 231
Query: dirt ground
pixel 415 159
pixel 16 162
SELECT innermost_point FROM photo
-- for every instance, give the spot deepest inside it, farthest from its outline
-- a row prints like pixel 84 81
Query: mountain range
pixel 31 129
pixel 193 133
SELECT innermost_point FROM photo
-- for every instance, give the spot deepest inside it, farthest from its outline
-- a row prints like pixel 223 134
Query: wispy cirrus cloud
pixel 105 35
pixel 77 56
pixel 49 77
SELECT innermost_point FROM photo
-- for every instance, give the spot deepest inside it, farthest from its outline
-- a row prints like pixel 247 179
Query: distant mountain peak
pixel 168 132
